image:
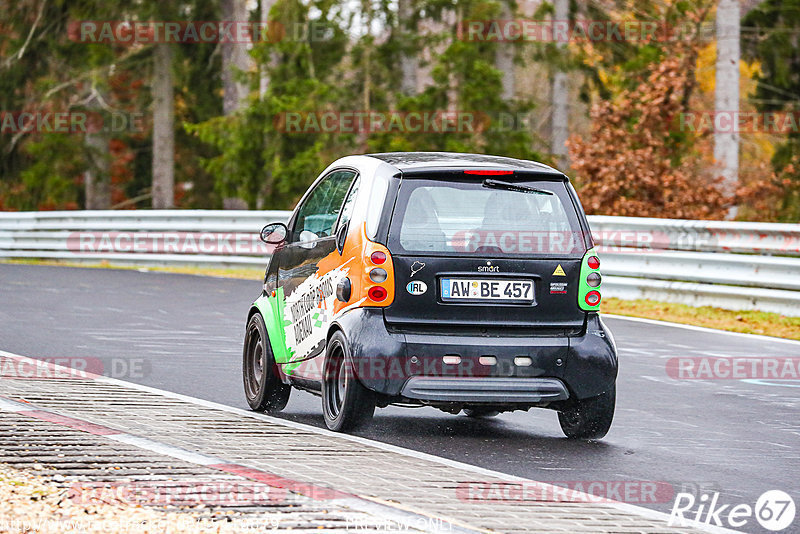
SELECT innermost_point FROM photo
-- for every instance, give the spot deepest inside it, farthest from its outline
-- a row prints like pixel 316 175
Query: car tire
pixel 589 418
pixel 263 388
pixel 346 403
pixel 480 412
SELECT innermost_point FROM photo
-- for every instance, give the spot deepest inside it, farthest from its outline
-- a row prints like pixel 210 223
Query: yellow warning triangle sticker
pixel 559 271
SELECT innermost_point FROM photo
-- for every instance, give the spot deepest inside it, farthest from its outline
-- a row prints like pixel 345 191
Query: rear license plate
pixel 487 289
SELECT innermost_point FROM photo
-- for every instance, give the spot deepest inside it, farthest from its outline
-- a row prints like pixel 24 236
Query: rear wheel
pixel 589 418
pixel 262 384
pixel 346 403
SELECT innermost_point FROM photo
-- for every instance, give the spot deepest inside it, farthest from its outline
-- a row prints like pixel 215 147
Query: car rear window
pixel 519 217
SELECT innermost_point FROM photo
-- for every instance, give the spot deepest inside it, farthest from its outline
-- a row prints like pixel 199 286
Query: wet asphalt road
pixel 184 333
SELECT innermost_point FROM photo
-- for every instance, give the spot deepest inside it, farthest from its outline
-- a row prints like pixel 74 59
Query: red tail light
pixel 378 257
pixel 593 262
pixel 482 172
pixel 377 293
pixel 593 298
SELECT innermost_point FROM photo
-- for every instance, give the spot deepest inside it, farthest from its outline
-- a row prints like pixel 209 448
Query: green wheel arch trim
pixel 271 309
pixel 583 287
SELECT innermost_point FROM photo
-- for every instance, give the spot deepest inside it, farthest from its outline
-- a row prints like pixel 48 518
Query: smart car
pixel 463 282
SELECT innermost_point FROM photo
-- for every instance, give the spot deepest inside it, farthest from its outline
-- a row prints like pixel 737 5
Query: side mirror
pixel 341 237
pixel 274 234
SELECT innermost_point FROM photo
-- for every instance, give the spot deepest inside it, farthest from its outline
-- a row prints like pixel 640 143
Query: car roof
pixel 430 161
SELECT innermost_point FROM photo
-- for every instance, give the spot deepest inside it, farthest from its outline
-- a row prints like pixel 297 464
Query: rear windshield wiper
pixel 497 184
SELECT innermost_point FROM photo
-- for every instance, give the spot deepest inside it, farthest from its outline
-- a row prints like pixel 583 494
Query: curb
pixel 390 511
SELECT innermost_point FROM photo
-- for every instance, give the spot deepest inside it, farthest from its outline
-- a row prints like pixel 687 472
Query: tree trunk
pixel 163 128
pixel 560 97
pixel 234 59
pixel 504 60
pixel 265 192
pixel 366 69
pixel 263 85
pixel 408 58
pixel 726 144
pixel 97 178
pixel 452 18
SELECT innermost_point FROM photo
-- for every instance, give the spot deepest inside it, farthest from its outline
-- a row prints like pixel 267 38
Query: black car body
pixel 460 281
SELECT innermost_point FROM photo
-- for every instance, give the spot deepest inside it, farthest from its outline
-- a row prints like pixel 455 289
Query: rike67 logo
pixel 774 510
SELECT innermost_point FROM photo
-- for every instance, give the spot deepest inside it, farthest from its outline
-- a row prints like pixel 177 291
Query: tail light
pixel 378 275
pixel 378 293
pixel 374 285
pixel 593 298
pixel 589 282
pixel 488 172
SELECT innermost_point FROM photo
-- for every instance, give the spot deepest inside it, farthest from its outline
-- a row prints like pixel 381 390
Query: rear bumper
pixel 490 390
pixel 410 365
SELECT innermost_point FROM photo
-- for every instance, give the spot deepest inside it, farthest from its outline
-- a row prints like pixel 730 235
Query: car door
pixel 308 269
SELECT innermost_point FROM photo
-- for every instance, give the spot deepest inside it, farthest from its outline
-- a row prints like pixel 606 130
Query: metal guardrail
pixel 733 265
pixel 707 236
pixel 719 263
pixel 218 238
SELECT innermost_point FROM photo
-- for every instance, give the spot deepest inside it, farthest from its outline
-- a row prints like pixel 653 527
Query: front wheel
pixel 589 418
pixel 262 384
pixel 346 403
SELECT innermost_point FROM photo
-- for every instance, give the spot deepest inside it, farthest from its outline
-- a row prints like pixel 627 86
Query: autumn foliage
pixel 636 162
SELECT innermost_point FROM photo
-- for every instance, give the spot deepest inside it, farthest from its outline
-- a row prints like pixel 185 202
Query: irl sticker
pixel 416 287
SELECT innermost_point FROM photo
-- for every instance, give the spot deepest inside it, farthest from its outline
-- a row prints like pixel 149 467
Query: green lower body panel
pixel 272 310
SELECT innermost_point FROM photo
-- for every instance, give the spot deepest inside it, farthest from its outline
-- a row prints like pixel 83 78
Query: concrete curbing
pixel 396 512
